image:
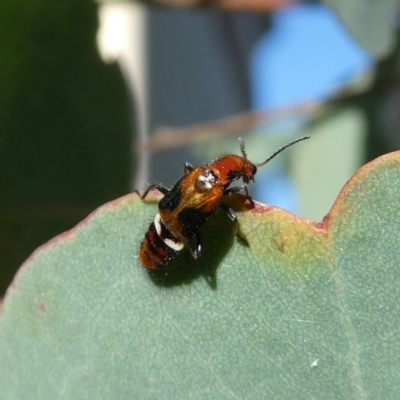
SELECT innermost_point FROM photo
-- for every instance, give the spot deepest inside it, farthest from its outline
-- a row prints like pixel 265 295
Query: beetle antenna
pixel 242 147
pixel 280 149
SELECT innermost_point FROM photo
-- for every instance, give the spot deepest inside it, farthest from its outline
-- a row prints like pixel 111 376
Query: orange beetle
pixel 194 198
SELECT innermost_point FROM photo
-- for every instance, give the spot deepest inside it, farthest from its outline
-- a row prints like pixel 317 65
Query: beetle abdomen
pixel 159 246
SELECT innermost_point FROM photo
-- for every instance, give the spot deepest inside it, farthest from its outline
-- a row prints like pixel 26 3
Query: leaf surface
pixel 295 310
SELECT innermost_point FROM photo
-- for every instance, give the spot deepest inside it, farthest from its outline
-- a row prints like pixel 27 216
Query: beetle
pixel 193 199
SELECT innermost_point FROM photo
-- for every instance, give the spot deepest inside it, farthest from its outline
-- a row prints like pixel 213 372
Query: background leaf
pixel 371 23
pixel 306 310
pixel 65 125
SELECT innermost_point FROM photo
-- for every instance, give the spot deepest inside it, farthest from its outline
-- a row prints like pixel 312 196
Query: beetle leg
pixel 187 167
pixel 242 239
pixel 231 214
pixel 196 253
pixel 236 189
pixel 160 188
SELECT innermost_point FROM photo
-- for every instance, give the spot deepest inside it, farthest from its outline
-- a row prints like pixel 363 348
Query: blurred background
pixel 98 99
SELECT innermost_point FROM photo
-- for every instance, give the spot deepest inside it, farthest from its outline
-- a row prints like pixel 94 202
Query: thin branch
pixel 166 138
pixel 228 5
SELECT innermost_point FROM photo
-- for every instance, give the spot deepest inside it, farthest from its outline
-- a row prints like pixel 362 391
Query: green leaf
pixel 371 23
pixel 305 310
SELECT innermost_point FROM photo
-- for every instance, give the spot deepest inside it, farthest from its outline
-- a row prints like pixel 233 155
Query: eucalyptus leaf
pixel 372 23
pixel 284 309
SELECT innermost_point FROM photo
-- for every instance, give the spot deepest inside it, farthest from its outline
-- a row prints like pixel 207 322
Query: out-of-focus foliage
pixel 371 22
pixel 64 137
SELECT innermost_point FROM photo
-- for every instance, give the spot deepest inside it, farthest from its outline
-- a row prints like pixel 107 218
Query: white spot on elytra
pixel 157 224
pixel 174 245
pixel 177 246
